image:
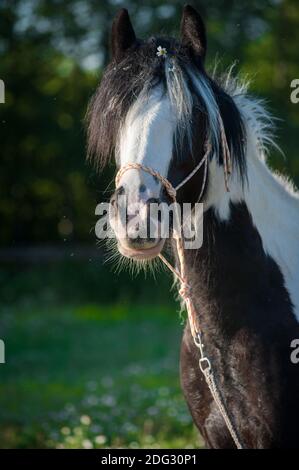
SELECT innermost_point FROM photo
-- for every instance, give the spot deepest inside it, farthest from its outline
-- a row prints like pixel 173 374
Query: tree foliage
pixel 51 56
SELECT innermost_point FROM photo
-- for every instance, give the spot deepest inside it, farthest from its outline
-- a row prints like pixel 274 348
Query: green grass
pixel 82 374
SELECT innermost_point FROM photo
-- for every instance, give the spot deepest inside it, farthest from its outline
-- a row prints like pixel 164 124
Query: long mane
pixel 190 90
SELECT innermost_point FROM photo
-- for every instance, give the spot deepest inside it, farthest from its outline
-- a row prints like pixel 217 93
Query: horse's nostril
pixel 152 200
pixel 142 188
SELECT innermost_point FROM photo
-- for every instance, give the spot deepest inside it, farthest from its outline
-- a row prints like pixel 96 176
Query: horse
pixel 157 107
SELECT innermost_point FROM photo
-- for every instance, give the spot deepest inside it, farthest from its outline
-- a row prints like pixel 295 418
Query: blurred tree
pixel 51 54
pixel 42 139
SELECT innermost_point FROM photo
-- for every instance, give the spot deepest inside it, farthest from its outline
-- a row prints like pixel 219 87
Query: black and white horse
pixel 157 106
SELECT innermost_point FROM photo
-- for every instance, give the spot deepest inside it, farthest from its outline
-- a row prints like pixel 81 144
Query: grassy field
pixel 82 373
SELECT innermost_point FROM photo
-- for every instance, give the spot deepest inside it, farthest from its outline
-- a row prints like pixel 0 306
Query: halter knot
pixel 185 291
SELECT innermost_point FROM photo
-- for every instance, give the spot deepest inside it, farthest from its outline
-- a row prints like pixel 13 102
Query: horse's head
pixel 156 106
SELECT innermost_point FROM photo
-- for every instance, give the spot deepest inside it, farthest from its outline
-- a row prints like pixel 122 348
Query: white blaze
pixel 147 138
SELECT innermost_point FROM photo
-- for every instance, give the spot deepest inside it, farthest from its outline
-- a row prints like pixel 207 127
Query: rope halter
pixel 185 290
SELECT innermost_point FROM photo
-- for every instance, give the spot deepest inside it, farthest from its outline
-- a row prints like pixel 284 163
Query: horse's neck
pixel 245 228
pixel 222 274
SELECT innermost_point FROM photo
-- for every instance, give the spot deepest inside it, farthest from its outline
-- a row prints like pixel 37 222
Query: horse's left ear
pixel 122 34
pixel 193 32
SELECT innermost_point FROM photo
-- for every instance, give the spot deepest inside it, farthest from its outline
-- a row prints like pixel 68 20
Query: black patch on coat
pixel 248 324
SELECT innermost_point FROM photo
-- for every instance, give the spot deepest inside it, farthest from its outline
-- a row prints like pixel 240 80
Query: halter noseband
pixel 172 191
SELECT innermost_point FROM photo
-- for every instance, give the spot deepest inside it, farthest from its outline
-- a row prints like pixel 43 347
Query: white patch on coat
pixel 271 200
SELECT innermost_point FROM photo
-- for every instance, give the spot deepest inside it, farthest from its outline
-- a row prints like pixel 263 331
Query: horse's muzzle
pixel 137 232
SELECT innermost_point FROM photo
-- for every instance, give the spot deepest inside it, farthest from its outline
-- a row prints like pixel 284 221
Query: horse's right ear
pixel 122 35
pixel 193 32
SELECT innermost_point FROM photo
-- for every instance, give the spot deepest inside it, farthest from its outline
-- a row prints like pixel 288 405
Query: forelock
pixel 123 83
pixel 188 87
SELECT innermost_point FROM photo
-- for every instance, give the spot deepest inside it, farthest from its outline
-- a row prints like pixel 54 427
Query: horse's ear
pixel 122 35
pixel 193 32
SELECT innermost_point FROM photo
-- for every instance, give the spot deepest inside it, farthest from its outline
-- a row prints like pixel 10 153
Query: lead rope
pixel 185 289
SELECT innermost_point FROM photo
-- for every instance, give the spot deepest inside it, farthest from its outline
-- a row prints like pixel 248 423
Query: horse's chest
pixel 259 387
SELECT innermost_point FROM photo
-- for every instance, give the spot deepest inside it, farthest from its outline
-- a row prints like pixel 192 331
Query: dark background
pixel 92 354
pixel 52 55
